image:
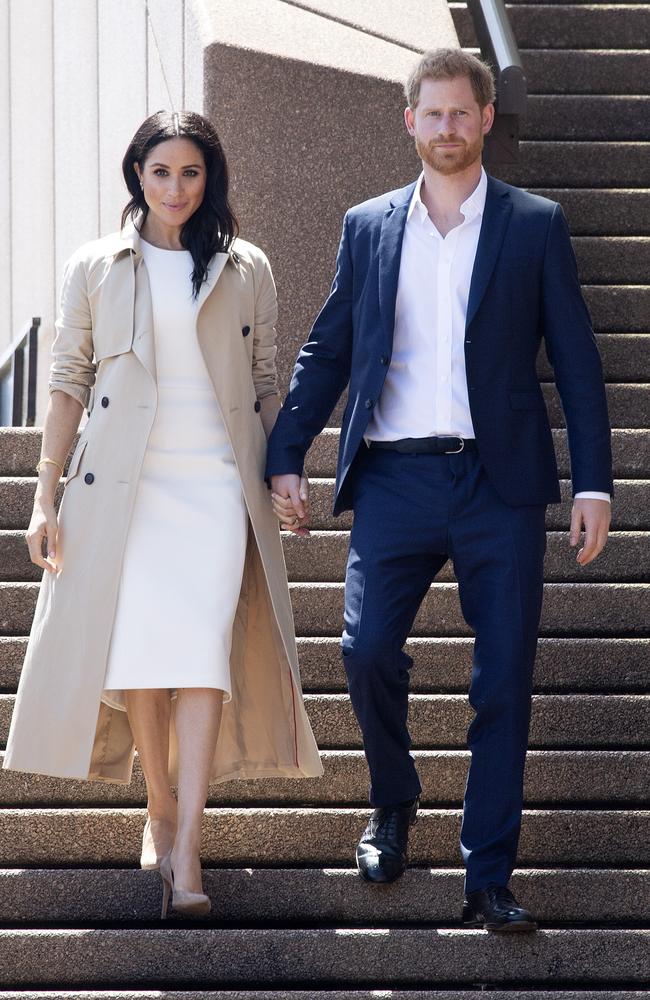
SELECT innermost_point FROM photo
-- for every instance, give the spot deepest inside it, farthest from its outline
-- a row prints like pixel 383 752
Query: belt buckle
pixel 458 450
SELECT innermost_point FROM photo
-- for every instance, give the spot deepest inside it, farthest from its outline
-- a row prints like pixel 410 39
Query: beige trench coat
pixel 105 338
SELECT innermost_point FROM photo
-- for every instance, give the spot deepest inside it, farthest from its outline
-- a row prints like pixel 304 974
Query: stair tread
pixel 553 777
pixel 322 956
pixel 323 836
pixel 275 896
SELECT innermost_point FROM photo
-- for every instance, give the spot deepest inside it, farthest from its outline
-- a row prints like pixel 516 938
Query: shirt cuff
pixel 590 495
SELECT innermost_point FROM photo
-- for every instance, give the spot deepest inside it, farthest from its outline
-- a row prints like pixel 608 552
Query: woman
pixel 164 598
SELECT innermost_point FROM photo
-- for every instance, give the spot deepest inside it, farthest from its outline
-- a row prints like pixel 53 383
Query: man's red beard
pixel 449 161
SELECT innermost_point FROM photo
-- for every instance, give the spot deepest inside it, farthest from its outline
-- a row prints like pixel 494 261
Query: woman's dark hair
pixel 213 226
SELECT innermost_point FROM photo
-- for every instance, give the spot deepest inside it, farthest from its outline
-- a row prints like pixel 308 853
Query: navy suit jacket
pixel 524 288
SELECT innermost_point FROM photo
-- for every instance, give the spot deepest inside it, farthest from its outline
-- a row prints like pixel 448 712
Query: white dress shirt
pixel 425 391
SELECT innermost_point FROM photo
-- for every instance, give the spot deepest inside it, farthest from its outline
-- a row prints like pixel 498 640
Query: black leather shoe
pixel 496 909
pixel 381 852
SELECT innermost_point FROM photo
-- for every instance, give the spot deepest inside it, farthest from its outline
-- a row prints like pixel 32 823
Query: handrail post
pixel 499 47
pixel 32 371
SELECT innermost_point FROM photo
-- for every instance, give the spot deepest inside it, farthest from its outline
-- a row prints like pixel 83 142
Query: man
pixel 443 291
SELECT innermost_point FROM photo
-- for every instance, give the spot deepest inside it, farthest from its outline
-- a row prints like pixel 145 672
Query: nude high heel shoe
pixel 195 904
pixel 157 841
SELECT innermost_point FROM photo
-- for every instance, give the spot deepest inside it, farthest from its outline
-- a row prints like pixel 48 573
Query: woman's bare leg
pixel 149 713
pixel 198 717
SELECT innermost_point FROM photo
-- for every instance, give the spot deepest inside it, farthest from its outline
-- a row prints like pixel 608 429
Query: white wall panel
pixel 6 326
pixel 167 22
pixel 193 59
pixel 76 153
pixel 122 74
pixel 32 160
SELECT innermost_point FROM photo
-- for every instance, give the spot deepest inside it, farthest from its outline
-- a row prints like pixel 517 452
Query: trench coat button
pixel 369 404
pixel 104 401
pixel 245 330
pixel 89 478
pixel 384 359
pixel 258 406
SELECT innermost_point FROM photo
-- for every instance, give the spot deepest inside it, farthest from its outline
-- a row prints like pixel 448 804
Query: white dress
pixel 184 556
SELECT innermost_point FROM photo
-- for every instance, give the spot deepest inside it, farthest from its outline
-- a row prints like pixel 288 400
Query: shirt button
pixel 258 406
pixel 89 479
pixel 245 330
pixel 104 401
pixel 384 359
pixel 369 404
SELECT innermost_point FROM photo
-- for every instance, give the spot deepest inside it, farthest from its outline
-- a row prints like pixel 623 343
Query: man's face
pixel 448 125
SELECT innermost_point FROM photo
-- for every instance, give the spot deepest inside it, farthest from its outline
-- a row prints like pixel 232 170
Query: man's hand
pixel 594 516
pixel 290 498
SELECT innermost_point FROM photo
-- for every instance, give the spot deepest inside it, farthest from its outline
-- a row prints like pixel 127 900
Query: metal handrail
pixel 18 361
pixel 499 47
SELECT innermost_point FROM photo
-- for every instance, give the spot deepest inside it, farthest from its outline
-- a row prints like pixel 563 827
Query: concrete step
pixel 437 721
pixel 630 452
pixel 600 838
pixel 587 71
pixel 591 212
pixel 587 117
pixel 570 609
pixel 628 403
pixel 625 558
pixel 567 26
pixel 325 994
pixel 618 307
pixel 629 510
pixel 591 609
pixel 625 357
pixel 440 721
pixel 569 164
pixel 267 896
pixel 553 777
pixel 283 957
pixel 608 260
pixel 444 665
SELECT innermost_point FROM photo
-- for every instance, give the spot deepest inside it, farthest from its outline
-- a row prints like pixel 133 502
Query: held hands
pixel 594 517
pixel 290 499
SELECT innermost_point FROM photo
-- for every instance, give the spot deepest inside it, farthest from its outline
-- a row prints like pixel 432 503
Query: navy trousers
pixel 411 514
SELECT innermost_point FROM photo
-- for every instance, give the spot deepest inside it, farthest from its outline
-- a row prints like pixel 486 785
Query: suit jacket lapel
pixel 390 252
pixel 493 227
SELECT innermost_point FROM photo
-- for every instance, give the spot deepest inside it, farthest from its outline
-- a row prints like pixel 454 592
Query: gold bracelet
pixel 49 461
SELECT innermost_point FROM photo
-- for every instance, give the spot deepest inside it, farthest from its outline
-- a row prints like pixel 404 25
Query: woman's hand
pixel 290 499
pixel 43 526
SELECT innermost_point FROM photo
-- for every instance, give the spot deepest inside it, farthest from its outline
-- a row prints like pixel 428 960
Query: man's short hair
pixel 446 64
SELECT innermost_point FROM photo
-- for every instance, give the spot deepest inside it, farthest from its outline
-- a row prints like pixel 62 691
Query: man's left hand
pixel 592 516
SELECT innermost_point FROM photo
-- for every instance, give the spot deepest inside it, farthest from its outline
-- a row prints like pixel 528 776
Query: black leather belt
pixel 427 445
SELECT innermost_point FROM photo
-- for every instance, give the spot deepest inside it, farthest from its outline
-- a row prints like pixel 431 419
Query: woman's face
pixel 174 177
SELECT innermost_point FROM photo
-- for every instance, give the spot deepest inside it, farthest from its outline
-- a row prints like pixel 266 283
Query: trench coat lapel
pixel 144 346
pixel 215 269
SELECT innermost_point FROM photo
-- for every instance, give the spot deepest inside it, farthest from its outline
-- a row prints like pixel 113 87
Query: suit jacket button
pixel 245 330
pixel 258 406
pixel 89 478
pixel 104 401
pixel 384 359
pixel 369 404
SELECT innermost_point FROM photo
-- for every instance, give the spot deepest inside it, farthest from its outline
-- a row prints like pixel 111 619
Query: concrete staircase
pixel 291 919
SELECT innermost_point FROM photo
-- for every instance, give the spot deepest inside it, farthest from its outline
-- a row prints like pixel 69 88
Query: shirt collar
pixel 472 206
